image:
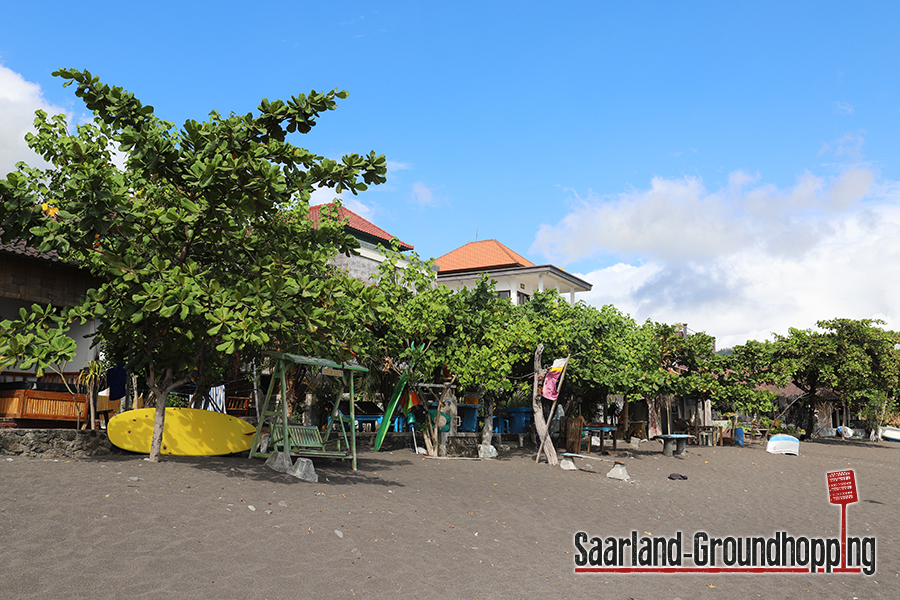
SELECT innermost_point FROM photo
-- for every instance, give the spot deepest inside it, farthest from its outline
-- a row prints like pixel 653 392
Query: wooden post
pixel 352 420
pixel 562 376
pixel 539 423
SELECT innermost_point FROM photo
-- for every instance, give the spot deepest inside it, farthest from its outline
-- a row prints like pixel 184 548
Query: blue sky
pixel 731 165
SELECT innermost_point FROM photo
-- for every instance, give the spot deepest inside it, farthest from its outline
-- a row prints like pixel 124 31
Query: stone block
pixel 618 472
pixel 487 451
pixel 304 470
pixel 279 461
pixel 567 464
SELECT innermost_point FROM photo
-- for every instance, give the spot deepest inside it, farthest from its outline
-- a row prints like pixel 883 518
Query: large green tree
pixel 856 359
pixel 603 350
pixel 741 375
pixel 866 365
pixel 201 258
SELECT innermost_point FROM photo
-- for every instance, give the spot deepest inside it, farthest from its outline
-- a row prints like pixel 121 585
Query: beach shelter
pixel 339 439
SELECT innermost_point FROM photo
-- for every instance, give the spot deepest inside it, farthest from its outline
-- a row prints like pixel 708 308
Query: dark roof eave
pixel 373 239
pixel 505 271
pixel 18 247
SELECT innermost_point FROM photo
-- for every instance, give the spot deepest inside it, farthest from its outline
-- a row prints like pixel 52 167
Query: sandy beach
pixel 407 526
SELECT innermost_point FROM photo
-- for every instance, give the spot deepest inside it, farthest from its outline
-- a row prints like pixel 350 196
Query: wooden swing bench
pixel 305 440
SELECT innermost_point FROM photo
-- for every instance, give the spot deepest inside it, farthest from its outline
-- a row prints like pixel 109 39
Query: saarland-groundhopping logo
pixel 781 553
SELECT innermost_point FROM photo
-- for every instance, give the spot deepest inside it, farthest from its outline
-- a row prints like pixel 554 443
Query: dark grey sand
pixel 121 527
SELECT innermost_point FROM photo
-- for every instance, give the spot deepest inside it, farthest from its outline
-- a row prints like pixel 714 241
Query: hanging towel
pixel 550 390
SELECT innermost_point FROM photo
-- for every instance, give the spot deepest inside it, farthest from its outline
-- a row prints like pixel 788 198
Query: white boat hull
pixel 783 444
pixel 890 433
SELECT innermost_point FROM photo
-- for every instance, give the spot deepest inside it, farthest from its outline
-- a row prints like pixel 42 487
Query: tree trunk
pixel 160 391
pixel 256 389
pixel 200 397
pixel 158 424
pixel 540 424
pixel 426 436
pixel 846 418
pixel 444 402
pixel 487 432
pixel 134 391
pixel 810 415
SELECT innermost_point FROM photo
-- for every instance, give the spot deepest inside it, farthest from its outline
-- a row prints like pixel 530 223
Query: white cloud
pixel 849 146
pixel 854 185
pixel 680 220
pixel 843 108
pixel 741 263
pixel 675 219
pixel 324 195
pixel 364 210
pixel 19 99
pixel 394 166
pixel 422 195
pixel 327 195
pixel 740 178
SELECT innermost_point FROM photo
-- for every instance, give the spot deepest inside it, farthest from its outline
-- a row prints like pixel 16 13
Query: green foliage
pixel 202 240
pixel 488 343
pixel 862 357
pixel 854 358
pixel 92 374
pixel 413 316
pixel 36 340
pixel 486 339
pixel 740 372
pixel 875 406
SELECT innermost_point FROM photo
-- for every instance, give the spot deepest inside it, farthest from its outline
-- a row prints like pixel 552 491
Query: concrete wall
pixel 364 266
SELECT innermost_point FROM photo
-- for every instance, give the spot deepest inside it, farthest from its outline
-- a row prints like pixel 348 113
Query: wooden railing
pixel 42 405
pixel 13 376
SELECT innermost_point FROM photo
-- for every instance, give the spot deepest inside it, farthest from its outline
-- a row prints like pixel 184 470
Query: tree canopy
pixel 201 259
pixel 855 359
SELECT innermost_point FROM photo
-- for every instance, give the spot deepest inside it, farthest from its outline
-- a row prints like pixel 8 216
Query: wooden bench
pixel 306 440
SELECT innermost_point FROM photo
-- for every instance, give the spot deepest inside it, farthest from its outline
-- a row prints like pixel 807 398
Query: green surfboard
pixel 390 408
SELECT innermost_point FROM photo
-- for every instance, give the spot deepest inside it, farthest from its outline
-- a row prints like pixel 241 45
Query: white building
pixel 515 277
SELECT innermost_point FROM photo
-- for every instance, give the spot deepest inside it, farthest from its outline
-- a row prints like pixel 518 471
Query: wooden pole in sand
pixel 562 376
pixel 540 424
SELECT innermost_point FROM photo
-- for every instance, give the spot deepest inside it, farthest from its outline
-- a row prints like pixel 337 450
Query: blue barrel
pixel 519 418
pixel 739 436
pixel 468 417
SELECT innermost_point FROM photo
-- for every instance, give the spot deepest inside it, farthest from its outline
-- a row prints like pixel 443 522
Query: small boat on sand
pixel 890 433
pixel 783 444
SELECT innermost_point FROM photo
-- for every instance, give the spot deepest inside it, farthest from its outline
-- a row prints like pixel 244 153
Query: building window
pixel 521 298
pixel 504 295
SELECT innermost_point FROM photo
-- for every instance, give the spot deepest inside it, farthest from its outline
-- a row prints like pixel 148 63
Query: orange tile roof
pixel 483 255
pixel 356 223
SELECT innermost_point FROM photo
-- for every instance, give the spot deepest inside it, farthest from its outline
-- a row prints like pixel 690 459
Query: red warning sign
pixel 842 487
